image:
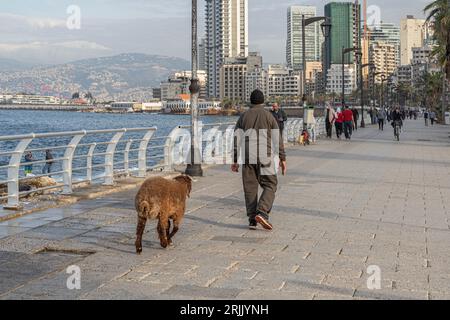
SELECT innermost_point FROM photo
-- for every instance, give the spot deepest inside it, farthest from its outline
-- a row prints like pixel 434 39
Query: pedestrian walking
pixel 29 166
pixel 49 162
pixel 330 117
pixel 381 119
pixel 426 116
pixel 279 115
pixel 432 117
pixel 255 175
pixel 348 122
pixel 339 123
pixel 355 118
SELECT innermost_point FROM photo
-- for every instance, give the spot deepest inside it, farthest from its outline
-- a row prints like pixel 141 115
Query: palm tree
pixel 439 15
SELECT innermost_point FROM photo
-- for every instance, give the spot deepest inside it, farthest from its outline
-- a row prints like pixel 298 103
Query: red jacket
pixel 348 115
pixel 340 117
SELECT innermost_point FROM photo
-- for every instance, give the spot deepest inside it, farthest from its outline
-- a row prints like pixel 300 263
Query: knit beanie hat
pixel 257 97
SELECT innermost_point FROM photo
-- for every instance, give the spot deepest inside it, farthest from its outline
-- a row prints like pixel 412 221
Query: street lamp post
pixel 371 65
pixel 383 80
pixel 345 51
pixel 326 27
pixel 194 168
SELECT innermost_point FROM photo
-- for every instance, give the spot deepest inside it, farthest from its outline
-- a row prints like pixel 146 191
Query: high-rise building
pixel 388 33
pixel 202 54
pixel 234 75
pixel 383 56
pixel 226 37
pixel 412 35
pixel 343 34
pixel 313 37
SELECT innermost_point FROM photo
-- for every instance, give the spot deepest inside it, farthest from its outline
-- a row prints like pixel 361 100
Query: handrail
pixel 143 152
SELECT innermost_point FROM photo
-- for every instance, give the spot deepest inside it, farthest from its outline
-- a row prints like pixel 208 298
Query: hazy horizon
pixel 36 32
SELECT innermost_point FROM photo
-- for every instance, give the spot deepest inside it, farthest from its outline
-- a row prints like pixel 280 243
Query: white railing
pixel 87 156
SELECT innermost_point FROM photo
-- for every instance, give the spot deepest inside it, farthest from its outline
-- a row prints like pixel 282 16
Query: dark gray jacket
pixel 258 118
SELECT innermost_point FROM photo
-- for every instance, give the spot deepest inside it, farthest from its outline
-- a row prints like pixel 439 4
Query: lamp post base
pixel 194 170
pixel 363 123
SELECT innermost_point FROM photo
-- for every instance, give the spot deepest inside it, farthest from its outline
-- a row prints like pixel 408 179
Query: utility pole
pixel 194 168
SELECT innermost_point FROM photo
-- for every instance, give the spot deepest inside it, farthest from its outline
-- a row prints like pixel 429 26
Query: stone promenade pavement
pixel 344 206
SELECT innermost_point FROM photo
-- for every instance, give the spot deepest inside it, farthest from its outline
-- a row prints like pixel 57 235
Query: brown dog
pixel 162 199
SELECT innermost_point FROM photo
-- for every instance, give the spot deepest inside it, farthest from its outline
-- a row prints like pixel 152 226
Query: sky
pixel 37 32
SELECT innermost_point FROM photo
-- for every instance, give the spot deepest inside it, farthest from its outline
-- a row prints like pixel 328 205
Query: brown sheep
pixel 162 199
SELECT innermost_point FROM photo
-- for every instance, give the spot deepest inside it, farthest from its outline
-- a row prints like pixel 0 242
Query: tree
pixel 76 95
pixel 439 15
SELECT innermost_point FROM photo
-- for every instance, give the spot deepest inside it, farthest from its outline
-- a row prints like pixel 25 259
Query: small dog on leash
pixel 162 199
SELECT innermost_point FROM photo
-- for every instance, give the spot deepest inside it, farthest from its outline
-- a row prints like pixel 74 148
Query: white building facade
pixel 334 79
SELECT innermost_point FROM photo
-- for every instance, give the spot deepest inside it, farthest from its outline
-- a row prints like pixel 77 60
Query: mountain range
pixel 128 76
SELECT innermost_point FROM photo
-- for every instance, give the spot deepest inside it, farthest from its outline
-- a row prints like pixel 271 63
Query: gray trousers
pixel 252 180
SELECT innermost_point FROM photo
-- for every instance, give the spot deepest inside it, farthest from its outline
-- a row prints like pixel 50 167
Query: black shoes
pixel 253 224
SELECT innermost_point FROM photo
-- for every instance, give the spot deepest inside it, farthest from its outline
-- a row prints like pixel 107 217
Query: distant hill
pixel 12 65
pixel 121 77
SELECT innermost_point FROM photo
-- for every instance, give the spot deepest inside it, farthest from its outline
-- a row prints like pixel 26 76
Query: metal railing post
pixel 89 158
pixel 126 158
pixel 228 142
pixel 109 158
pixel 169 146
pixel 13 175
pixel 67 162
pixel 142 173
pixel 212 144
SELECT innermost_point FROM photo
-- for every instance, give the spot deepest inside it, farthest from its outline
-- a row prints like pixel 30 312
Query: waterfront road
pixel 366 219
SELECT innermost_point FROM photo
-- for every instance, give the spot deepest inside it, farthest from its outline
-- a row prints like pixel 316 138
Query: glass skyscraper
pixel 313 37
pixel 343 33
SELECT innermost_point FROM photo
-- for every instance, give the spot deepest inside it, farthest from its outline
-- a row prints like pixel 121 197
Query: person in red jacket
pixel 348 122
pixel 339 123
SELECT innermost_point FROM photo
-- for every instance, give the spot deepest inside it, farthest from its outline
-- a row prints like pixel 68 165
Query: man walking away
pixel 355 117
pixel 329 120
pixel 425 116
pixel 381 119
pixel 339 122
pixel 255 175
pixel 348 123
pixel 433 117
pixel 279 115
pixel 49 162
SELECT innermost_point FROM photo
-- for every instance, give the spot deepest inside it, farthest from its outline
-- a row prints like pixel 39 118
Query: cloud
pixel 31 22
pixel 53 53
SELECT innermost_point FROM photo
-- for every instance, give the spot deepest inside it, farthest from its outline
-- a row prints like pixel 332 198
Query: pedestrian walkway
pixel 343 207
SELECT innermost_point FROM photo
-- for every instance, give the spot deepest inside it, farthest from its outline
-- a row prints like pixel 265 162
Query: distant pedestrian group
pixel 343 120
pixel 29 160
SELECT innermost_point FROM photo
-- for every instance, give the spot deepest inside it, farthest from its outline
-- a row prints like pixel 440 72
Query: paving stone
pixel 195 291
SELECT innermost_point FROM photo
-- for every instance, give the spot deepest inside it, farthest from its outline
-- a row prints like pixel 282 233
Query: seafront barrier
pixel 100 156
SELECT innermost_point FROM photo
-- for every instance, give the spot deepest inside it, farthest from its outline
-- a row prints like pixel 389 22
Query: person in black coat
pixel 279 115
